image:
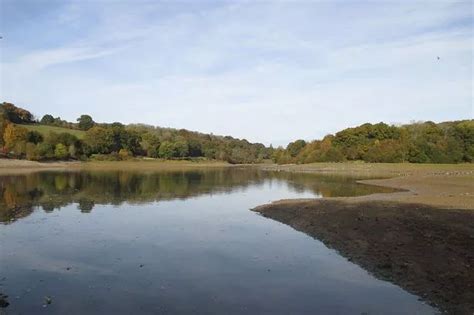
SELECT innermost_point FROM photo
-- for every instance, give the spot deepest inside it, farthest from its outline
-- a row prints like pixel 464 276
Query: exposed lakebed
pixel 177 242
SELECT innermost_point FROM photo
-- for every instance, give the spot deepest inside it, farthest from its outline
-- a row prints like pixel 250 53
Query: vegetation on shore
pixel 427 142
pixel 50 138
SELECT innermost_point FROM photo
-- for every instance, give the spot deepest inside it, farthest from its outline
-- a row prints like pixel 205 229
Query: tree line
pixel 114 141
pixel 424 142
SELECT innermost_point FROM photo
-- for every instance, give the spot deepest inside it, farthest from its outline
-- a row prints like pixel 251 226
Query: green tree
pixel 181 148
pixel 47 120
pixel 61 151
pixel 97 140
pixel 34 137
pixel 166 150
pixel 85 122
pixel 295 147
pixel 45 151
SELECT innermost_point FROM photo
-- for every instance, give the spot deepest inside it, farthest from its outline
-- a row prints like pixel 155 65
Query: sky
pixel 267 71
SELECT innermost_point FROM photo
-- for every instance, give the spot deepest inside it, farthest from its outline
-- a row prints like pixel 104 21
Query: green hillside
pixel 45 130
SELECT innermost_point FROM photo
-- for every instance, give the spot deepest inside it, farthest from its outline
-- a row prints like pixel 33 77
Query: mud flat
pixel 421 238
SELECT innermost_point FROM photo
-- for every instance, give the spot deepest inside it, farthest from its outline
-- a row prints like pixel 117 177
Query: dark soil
pixel 427 251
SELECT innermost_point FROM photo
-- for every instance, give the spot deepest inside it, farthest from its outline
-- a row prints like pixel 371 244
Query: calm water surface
pixel 176 242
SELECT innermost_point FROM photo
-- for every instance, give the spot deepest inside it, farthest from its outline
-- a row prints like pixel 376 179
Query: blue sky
pixel 267 71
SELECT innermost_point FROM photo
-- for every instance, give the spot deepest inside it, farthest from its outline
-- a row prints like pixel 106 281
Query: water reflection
pixel 20 194
pixel 149 248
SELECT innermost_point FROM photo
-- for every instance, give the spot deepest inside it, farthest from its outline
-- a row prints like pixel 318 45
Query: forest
pixel 424 142
pixel 51 138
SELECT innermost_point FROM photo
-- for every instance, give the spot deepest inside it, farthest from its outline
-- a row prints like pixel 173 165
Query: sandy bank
pixel 11 166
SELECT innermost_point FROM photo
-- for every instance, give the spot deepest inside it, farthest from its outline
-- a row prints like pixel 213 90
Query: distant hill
pixel 424 142
pixel 52 138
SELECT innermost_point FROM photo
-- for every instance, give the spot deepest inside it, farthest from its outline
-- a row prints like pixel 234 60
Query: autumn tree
pixel 13 135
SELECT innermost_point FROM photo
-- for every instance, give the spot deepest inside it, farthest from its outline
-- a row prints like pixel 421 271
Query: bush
pixel 61 151
pixel 124 154
pixel 45 151
pixel 32 153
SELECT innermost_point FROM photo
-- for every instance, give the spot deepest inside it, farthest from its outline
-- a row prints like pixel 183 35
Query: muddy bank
pixel 12 166
pixel 440 185
pixel 427 251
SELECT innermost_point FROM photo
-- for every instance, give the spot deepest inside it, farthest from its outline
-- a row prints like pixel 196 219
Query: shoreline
pixel 12 166
pixel 428 251
pixel 420 238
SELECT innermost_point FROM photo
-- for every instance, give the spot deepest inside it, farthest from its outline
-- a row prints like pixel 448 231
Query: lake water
pixel 176 242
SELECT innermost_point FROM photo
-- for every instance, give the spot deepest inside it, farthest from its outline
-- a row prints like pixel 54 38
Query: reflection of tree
pixel 19 194
pixel 85 205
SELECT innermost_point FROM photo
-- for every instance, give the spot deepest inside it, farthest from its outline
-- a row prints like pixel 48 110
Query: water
pixel 176 242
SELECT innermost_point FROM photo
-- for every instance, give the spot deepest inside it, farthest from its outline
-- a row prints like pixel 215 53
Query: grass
pixel 45 130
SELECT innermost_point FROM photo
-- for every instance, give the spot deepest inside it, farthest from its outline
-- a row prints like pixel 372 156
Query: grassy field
pixel 45 130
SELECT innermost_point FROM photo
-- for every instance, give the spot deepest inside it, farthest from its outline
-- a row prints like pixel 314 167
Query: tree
pixel 3 125
pixel 97 140
pixel 47 120
pixel 32 153
pixel 61 151
pixel 166 150
pixel 15 114
pixel 295 147
pixel 85 122
pixel 151 144
pixel 181 148
pixel 14 134
pixel 34 137
pixel 45 150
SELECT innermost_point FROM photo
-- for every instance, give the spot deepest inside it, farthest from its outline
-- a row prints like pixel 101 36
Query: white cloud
pixel 269 72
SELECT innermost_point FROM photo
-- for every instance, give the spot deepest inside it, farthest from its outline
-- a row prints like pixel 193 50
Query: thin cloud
pixel 265 71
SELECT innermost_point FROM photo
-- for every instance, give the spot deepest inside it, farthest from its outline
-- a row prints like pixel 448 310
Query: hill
pixel 45 130
pixel 55 139
pixel 424 142
pixel 52 138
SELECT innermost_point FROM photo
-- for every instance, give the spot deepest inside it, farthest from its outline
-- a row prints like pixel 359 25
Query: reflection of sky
pixel 208 253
